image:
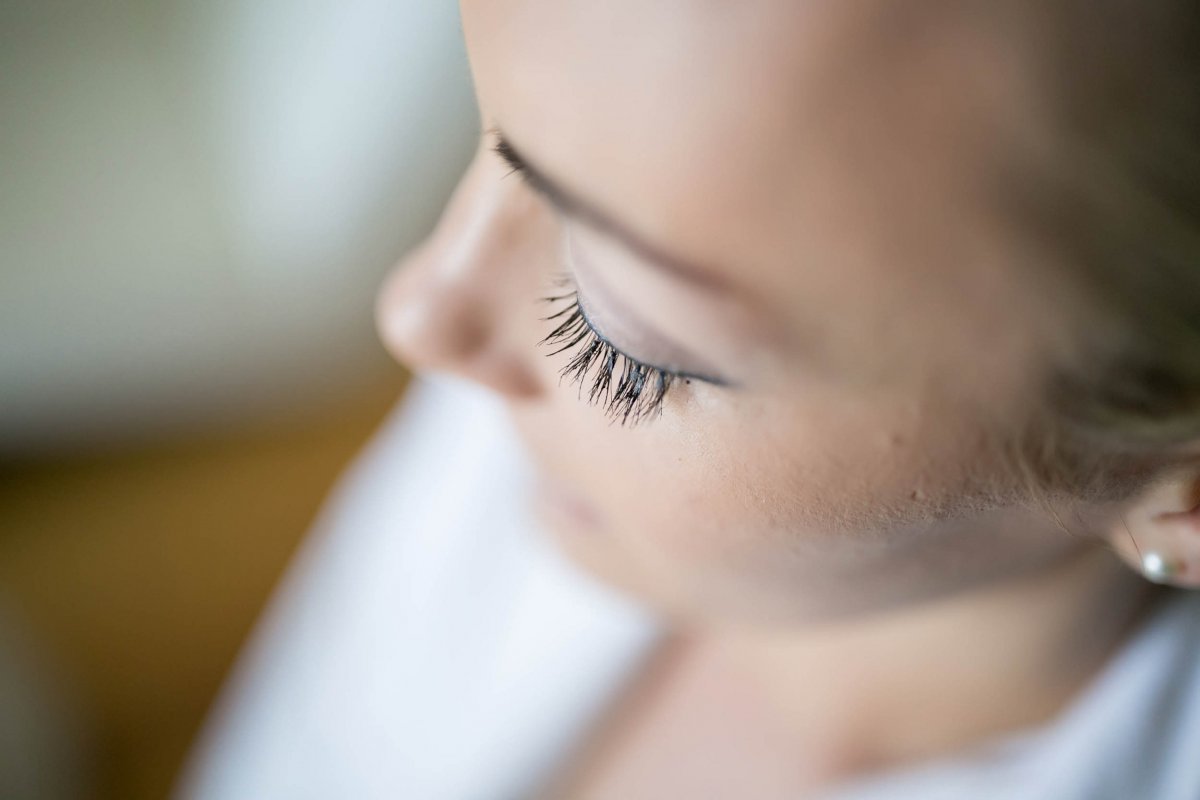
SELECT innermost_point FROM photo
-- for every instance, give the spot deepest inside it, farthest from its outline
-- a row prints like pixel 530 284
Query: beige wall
pixel 140 572
pixel 198 201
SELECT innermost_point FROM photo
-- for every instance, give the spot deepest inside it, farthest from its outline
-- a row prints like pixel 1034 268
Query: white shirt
pixel 430 644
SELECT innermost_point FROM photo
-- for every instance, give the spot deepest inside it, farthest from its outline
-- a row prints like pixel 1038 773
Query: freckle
pixel 916 494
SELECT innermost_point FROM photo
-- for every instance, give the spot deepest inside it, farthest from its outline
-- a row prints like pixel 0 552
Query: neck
pixel 870 695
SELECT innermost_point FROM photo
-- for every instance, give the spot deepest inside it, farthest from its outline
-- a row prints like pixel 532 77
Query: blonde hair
pixel 1121 206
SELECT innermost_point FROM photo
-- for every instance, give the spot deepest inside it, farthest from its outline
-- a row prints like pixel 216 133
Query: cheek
pixel 762 509
pixel 720 487
pixel 817 469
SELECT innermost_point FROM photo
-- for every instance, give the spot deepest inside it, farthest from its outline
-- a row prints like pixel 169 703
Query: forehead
pixel 654 106
pixel 814 149
pixel 649 99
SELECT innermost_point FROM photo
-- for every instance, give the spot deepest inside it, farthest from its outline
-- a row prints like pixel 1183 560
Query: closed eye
pixel 629 391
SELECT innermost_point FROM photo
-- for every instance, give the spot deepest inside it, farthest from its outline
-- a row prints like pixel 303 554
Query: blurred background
pixel 197 204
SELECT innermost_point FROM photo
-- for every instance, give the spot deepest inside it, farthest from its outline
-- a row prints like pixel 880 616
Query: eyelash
pixel 641 389
pixel 635 396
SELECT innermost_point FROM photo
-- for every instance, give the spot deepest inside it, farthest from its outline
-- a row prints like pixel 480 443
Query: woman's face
pixel 798 208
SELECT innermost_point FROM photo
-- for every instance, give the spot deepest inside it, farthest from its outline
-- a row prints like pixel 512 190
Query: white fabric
pixel 429 644
pixel 1133 734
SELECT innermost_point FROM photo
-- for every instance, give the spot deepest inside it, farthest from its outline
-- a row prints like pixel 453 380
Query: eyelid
pixel 678 373
pixel 631 394
pixel 509 156
pixel 672 354
pixel 630 391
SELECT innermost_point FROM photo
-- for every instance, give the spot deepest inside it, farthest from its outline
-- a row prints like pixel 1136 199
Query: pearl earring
pixel 1160 569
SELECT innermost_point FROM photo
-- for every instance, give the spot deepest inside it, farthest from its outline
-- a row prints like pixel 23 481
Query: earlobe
pixel 1158 532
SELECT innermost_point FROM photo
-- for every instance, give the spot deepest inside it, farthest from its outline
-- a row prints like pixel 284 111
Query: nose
pixel 464 301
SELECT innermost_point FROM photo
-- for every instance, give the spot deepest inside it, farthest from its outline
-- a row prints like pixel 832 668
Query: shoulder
pixel 1132 733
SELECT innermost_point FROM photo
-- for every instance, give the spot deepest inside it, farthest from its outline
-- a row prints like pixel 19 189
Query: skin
pixel 835 171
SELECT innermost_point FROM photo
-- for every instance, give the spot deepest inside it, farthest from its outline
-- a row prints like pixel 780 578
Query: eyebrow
pixel 573 204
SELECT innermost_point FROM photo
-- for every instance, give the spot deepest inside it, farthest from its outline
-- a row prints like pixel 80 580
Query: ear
pixel 1158 532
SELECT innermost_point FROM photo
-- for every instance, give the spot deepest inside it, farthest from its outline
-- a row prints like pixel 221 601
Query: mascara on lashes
pixel 635 396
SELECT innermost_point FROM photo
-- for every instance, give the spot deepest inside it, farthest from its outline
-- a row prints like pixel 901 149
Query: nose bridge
pixel 478 234
pixel 492 233
pixel 464 302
